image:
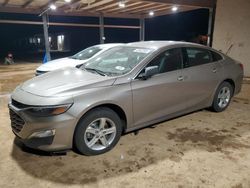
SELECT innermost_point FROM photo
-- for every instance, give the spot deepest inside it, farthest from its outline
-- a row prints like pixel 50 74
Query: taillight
pixel 241 66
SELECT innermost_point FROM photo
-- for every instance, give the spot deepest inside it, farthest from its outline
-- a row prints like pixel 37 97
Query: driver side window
pixel 170 60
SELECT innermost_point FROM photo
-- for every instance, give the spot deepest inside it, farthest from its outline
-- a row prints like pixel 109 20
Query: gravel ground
pixel 202 149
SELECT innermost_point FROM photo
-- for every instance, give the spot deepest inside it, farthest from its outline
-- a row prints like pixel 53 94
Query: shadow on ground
pixel 133 153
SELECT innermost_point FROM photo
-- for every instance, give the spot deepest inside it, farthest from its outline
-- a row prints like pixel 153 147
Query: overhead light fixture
pixel 52 7
pixel 151 13
pixel 67 1
pixel 121 4
pixel 174 8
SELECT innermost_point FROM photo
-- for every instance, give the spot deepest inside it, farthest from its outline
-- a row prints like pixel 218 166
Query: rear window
pixel 216 56
pixel 197 56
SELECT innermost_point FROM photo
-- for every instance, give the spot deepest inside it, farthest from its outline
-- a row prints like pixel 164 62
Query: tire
pixel 222 97
pixel 97 132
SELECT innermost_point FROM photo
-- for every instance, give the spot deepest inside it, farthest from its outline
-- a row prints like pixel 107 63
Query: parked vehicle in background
pixel 75 60
pixel 123 89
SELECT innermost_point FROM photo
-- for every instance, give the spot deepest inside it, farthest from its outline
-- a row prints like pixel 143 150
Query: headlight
pixel 48 110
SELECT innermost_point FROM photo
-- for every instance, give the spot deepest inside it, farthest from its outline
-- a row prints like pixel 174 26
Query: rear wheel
pixel 222 97
pixel 97 132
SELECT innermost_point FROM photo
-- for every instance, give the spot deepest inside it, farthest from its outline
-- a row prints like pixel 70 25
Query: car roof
pixel 108 45
pixel 160 44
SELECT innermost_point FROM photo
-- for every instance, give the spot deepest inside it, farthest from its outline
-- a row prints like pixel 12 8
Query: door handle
pixel 214 70
pixel 180 78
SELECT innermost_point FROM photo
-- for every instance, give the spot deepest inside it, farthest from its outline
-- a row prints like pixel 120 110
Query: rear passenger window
pixel 216 56
pixel 197 56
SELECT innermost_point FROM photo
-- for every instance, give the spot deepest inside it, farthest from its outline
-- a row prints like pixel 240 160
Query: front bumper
pixel 24 126
pixel 38 143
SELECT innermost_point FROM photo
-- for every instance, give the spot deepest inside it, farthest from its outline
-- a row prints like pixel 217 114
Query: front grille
pixel 18 104
pixel 17 122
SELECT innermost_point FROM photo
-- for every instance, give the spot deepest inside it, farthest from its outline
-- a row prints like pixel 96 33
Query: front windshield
pixel 87 53
pixel 118 60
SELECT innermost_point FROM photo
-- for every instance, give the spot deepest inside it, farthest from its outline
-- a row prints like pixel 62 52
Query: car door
pixel 162 94
pixel 201 76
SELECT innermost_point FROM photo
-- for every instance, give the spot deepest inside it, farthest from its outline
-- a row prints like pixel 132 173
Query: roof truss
pixel 108 8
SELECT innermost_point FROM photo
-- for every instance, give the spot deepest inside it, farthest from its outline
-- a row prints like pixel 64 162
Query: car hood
pixel 65 82
pixel 60 63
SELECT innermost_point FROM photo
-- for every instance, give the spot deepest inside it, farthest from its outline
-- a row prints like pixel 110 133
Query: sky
pixel 179 26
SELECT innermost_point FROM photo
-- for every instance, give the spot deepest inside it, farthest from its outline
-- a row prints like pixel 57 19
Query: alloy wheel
pixel 100 134
pixel 224 97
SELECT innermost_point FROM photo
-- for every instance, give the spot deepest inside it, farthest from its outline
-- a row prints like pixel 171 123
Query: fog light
pixel 42 134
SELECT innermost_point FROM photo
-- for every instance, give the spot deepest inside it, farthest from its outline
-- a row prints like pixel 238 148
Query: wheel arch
pixel 116 108
pixel 230 81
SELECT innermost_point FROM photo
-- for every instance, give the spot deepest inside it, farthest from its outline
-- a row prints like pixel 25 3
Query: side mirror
pixel 149 72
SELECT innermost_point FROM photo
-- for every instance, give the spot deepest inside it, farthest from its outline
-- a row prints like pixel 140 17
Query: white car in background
pixel 75 60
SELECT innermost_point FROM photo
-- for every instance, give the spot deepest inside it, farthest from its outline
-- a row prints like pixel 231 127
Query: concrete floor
pixel 202 149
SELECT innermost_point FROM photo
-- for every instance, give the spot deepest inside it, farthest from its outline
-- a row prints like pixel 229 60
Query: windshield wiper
pixel 96 70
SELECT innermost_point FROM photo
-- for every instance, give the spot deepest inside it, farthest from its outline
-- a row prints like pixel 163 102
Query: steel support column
pixel 210 27
pixel 101 22
pixel 46 36
pixel 142 29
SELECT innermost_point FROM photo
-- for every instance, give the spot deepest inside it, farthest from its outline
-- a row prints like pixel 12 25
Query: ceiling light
pixel 151 13
pixel 122 4
pixel 67 1
pixel 52 7
pixel 174 8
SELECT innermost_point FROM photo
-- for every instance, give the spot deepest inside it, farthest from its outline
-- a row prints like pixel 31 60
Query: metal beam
pixel 98 4
pixel 193 3
pixel 82 5
pixel 211 26
pixel 45 6
pixel 107 7
pixel 46 36
pixel 138 7
pixel 156 10
pixel 70 5
pixel 102 37
pixel 142 29
pixel 68 24
pixel 27 3
pixel 147 9
pixel 5 3
pixel 169 11
pixel 128 5
pixel 59 12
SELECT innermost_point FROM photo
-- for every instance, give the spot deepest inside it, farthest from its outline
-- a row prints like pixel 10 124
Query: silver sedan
pixel 125 88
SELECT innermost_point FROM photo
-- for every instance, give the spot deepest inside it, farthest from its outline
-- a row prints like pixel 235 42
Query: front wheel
pixel 222 97
pixel 97 132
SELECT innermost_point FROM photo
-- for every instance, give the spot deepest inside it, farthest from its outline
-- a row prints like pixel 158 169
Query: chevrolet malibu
pixel 125 88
